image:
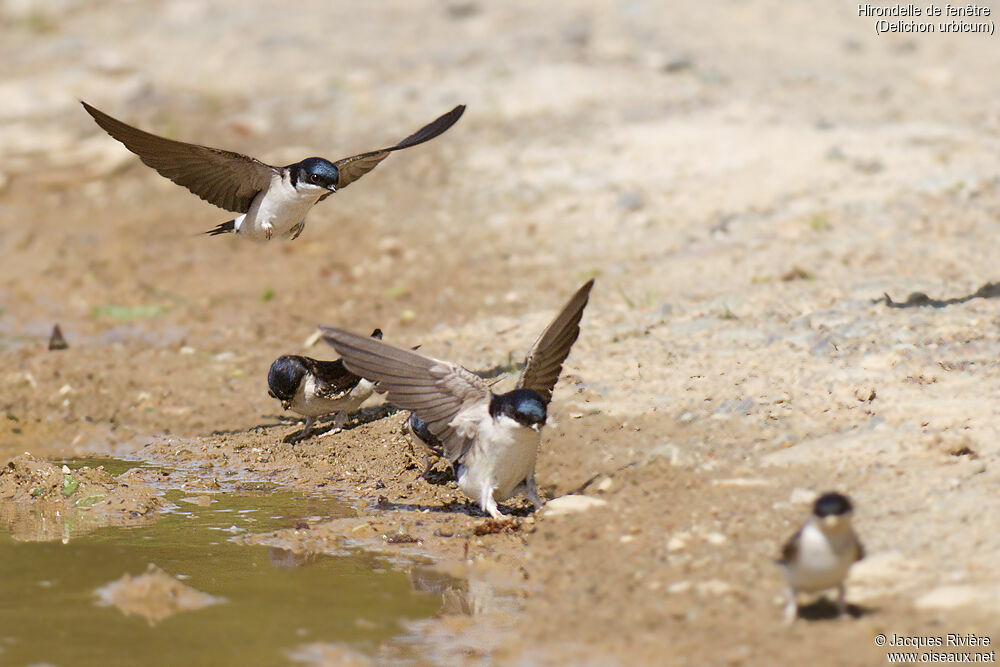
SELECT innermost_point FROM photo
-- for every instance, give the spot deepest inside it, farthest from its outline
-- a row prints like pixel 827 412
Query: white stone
pixel 714 587
pixel 742 481
pixel 679 587
pixel 678 541
pixel 952 597
pixel 572 504
pixel 802 497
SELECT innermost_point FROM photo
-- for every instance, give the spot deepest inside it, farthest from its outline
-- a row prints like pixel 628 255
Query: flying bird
pixel 313 388
pixel 273 200
pixel 819 555
pixel 490 439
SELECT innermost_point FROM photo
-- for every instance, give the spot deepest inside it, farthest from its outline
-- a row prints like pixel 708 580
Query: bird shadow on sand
pixel 824 610
pixel 325 425
pixel 512 510
pixel 919 299
pixel 282 421
pixel 439 475
pixel 322 425
pixel 437 508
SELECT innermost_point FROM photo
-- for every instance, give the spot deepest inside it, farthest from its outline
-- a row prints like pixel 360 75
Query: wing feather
pixel 544 362
pixel 223 178
pixel 434 390
pixel 354 167
pixel 790 550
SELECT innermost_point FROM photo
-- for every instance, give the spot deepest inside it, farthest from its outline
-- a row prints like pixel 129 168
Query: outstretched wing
pixel 228 180
pixel 544 362
pixel 432 389
pixel 354 167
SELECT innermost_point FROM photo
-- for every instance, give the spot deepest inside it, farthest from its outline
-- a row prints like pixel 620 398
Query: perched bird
pixel 819 555
pixel 490 439
pixel 313 388
pixel 418 431
pixel 273 200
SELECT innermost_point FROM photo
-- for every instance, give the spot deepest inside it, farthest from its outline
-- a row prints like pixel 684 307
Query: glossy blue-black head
pixel 832 504
pixel 316 171
pixel 284 377
pixel 525 406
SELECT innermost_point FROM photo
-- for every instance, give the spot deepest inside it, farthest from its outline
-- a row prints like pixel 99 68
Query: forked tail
pixel 225 228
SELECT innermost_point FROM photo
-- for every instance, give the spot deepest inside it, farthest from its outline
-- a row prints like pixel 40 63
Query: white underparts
pixel 277 210
pixel 501 459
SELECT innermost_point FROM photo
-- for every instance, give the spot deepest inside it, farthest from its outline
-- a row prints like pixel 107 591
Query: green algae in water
pixel 69 486
pixel 275 601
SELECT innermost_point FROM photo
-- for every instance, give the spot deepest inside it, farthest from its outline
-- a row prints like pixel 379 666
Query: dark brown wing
pixel 354 167
pixel 228 180
pixel 432 389
pixel 333 380
pixel 790 551
pixel 860 549
pixel 544 362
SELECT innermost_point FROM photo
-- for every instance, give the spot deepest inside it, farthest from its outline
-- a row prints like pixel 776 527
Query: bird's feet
pixel 296 230
pixel 791 608
pixel 306 430
pixel 842 602
pixel 531 492
pixel 268 230
pixel 338 424
pixel 488 504
pixel 427 466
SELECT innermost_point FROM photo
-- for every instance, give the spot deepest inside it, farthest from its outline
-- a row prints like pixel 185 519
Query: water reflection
pixel 286 559
pixel 275 599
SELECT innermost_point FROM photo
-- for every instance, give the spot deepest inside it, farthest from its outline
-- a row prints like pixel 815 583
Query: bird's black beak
pixel 331 188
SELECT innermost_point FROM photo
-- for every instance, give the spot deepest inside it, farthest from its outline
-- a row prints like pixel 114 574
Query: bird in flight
pixel 273 201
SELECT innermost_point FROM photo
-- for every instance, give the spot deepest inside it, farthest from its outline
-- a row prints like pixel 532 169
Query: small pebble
pixel 678 541
pixel 679 587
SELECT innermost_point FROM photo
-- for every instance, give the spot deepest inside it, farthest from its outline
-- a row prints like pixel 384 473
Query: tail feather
pixel 224 228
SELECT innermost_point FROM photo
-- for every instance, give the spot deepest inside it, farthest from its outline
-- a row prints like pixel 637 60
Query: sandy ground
pixel 747 180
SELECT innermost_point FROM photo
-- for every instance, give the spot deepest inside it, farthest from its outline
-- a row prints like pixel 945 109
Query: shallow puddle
pixel 272 601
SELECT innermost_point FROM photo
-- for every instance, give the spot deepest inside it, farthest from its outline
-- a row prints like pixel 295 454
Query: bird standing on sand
pixel 313 388
pixel 490 439
pixel 819 555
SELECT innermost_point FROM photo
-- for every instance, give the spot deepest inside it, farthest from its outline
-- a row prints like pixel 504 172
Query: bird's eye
pixel 315 178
